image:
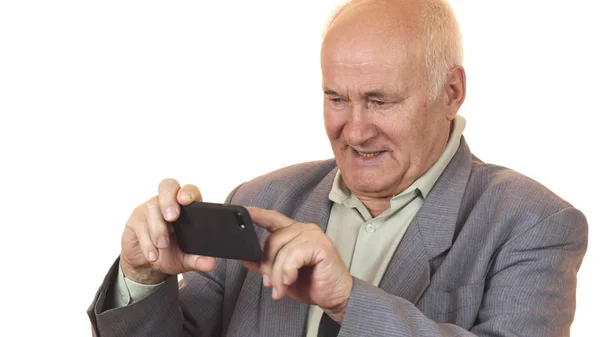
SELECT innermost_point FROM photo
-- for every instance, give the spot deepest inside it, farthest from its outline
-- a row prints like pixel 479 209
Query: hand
pixel 301 261
pixel 149 251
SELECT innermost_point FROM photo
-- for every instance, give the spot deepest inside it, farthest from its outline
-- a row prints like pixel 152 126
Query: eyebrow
pixel 368 94
pixel 330 92
pixel 375 94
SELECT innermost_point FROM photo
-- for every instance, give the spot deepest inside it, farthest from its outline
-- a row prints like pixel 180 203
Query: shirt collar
pixel 426 181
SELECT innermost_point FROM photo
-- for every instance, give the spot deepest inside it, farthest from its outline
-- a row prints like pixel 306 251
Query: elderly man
pixel 405 233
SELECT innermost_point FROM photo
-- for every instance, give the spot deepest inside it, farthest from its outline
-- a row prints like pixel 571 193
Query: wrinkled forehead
pixel 367 58
pixel 368 32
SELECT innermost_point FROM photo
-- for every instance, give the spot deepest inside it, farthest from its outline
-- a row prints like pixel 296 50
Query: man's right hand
pixel 149 250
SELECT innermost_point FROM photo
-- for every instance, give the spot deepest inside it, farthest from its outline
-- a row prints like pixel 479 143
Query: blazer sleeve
pixel 529 291
pixel 193 307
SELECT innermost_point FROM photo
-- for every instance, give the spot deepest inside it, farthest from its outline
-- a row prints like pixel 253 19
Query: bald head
pixel 425 30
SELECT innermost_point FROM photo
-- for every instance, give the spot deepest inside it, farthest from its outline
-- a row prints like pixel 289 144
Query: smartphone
pixel 217 230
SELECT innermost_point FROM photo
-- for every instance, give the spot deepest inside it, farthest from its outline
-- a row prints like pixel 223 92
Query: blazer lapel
pixel 315 209
pixel 430 233
pixel 407 274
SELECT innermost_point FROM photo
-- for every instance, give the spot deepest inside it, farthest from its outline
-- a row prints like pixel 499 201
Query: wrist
pixel 338 311
pixel 144 275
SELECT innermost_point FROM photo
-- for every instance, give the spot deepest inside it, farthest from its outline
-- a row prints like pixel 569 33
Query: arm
pixel 530 290
pixel 192 308
pixel 128 292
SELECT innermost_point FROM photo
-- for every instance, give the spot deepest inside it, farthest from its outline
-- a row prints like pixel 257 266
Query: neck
pixel 376 206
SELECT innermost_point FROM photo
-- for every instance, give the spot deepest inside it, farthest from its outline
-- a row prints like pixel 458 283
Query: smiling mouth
pixel 368 154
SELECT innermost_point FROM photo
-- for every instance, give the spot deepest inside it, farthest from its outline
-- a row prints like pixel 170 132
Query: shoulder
pixel 504 184
pixel 286 182
pixel 506 198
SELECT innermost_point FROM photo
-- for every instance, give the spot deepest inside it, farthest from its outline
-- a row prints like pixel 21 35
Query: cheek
pixel 334 125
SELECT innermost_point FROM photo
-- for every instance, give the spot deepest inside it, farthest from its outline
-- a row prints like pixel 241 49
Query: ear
pixel 455 91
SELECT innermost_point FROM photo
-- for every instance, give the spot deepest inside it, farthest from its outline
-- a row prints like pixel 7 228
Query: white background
pixel 101 100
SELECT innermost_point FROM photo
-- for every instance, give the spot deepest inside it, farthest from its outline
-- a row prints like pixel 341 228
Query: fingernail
pixel 266 280
pixel 151 256
pixel 286 280
pixel 163 242
pixel 171 213
pixel 275 293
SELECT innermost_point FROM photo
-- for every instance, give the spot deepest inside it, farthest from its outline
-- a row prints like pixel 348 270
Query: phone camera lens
pixel 240 220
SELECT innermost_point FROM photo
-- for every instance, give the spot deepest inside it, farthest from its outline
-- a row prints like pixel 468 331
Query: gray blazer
pixel 490 253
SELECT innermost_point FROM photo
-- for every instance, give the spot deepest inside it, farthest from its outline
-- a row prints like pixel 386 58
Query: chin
pixel 369 189
pixel 367 183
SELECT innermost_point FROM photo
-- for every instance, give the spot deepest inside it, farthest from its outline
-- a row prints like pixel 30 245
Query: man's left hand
pixel 301 261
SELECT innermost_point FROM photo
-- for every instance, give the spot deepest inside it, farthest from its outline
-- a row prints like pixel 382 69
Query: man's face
pixel 384 131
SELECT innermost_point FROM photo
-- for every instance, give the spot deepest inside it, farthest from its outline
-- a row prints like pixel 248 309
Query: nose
pixel 360 128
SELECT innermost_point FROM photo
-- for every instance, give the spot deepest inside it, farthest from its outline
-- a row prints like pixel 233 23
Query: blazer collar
pixel 438 215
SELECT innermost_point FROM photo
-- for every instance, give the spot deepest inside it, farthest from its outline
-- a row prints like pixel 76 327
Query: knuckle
pixel 288 251
pixel 131 226
pixel 166 183
pixel 265 269
pixel 190 188
pixel 136 219
pixel 159 231
pixel 146 245
pixel 151 205
pixel 289 268
pixel 168 188
pixel 187 194
pixel 137 212
pixel 271 242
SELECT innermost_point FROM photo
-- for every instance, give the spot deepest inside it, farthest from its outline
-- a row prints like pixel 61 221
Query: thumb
pixel 196 262
pixel 269 219
pixel 251 265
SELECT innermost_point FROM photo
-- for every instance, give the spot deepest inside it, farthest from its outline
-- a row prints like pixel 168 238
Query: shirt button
pixel 370 228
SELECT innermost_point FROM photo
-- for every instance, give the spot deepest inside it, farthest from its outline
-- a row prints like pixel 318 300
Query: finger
pixel 255 267
pixel 167 199
pixel 269 219
pixel 290 259
pixel 188 194
pixel 138 225
pixel 302 256
pixel 157 227
pixel 267 281
pixel 201 263
pixel 274 243
pixel 251 265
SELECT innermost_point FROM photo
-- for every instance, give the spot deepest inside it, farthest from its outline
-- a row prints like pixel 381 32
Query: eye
pixel 378 103
pixel 335 100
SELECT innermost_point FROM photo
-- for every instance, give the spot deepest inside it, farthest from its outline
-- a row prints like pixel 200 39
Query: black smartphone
pixel 217 230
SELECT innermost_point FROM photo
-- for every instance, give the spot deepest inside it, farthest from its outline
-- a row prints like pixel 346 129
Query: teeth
pixel 367 154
